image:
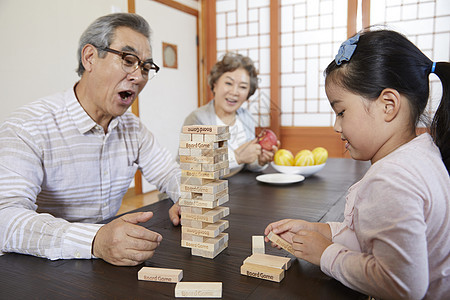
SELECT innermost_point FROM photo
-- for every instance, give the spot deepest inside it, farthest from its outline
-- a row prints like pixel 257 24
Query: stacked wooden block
pixel 203 161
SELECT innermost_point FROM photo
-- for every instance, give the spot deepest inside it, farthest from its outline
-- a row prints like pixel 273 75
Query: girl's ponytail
pixel 440 127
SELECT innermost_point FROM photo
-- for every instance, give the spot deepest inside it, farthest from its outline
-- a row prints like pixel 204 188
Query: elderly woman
pixel 233 80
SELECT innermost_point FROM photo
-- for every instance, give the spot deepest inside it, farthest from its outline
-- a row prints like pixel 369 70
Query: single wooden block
pixel 194 210
pixel 269 260
pixel 199 138
pixel 192 238
pixel 197 202
pixel 195 180
pixel 211 216
pixel 202 159
pixel 160 274
pixel 258 245
pixel 198 290
pixel 202 145
pixel 211 230
pixel 262 272
pixel 211 244
pixel 208 152
pixel 184 152
pixel 276 239
pixel 209 188
pixel 224 172
pixel 185 137
pixel 215 167
pixel 213 197
pixel 201 174
pixel 191 166
pixel 193 224
pixel 216 137
pixel 205 129
pixel 208 254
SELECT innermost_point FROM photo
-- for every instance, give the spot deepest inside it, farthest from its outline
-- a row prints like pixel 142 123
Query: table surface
pixel 253 205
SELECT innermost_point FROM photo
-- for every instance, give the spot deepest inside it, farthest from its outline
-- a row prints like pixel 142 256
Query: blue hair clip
pixel 433 67
pixel 346 50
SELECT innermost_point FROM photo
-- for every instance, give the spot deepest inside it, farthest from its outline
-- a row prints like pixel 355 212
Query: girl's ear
pixel 88 56
pixel 390 100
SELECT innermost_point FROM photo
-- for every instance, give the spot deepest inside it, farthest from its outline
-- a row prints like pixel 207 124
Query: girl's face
pixel 230 91
pixel 357 122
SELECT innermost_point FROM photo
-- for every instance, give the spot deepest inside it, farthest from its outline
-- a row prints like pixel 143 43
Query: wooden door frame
pixel 200 54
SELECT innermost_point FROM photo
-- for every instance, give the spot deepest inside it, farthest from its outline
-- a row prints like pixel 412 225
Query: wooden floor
pixel 131 201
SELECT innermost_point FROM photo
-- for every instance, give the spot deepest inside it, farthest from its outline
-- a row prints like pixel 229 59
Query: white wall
pixel 172 94
pixel 39 43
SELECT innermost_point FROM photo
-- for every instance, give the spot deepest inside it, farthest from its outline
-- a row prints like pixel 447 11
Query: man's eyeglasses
pixel 131 63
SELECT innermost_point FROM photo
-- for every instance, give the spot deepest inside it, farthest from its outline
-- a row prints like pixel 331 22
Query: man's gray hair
pixel 101 32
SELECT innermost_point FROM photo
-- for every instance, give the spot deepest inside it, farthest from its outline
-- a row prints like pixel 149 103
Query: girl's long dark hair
pixel 387 59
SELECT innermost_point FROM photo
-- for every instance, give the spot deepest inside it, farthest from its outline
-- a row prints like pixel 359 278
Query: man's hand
pixel 124 243
pixel 174 214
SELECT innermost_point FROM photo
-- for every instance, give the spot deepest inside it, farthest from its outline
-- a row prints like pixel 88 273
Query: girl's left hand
pixel 310 245
pixel 266 156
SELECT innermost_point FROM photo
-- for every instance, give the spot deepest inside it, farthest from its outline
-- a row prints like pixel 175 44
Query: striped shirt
pixel 60 173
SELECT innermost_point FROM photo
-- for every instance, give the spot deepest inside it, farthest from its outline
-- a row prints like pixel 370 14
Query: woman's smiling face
pixel 231 90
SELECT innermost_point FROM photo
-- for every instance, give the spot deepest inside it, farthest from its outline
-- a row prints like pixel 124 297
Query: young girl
pixel 394 241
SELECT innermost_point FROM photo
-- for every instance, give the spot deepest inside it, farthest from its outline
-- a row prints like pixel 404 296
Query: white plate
pixel 279 178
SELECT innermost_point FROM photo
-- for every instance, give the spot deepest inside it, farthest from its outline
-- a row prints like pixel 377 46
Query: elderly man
pixel 67 160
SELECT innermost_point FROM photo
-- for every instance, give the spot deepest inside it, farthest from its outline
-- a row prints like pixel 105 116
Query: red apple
pixel 267 139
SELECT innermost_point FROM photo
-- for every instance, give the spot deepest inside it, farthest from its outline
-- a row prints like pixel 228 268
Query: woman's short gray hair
pixel 231 62
pixel 101 32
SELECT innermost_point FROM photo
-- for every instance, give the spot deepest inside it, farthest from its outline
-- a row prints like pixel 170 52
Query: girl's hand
pixel 287 228
pixel 310 245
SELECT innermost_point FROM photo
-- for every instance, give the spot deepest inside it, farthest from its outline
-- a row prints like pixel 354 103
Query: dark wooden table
pixel 253 205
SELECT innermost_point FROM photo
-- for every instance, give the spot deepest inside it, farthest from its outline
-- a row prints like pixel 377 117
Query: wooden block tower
pixel 203 160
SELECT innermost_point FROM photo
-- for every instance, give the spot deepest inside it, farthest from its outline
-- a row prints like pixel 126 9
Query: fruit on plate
pixel 284 157
pixel 320 155
pixel 267 139
pixel 304 158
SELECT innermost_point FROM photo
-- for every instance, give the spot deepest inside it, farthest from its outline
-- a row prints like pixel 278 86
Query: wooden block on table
pixel 209 188
pixel 198 202
pixel 215 167
pixel 276 239
pixel 211 216
pixel 216 137
pixel 208 254
pixel 205 129
pixel 262 272
pixel 185 137
pixel 208 152
pixel 160 274
pixel 201 174
pixel 210 244
pixel 269 261
pixel 211 230
pixel 258 245
pixel 195 180
pixel 198 290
